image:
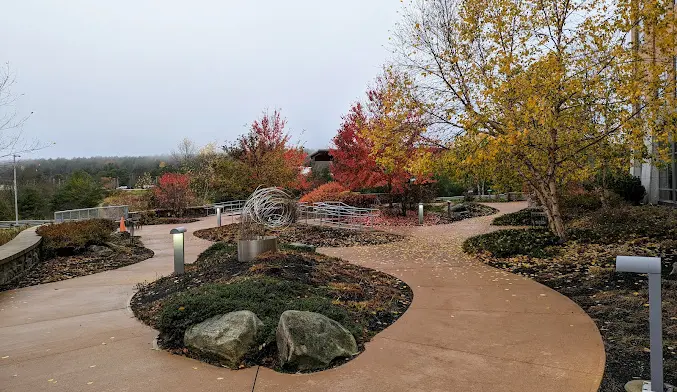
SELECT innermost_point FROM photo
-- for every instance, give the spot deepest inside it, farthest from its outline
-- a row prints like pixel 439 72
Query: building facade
pixel 660 182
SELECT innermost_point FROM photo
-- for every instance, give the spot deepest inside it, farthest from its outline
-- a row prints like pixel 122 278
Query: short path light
pixel 420 214
pixel 652 267
pixel 218 216
pixel 177 235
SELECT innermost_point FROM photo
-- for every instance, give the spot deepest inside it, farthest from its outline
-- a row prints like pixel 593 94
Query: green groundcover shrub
pixel 73 237
pixel 624 223
pixel 267 297
pixel 512 242
pixel 517 218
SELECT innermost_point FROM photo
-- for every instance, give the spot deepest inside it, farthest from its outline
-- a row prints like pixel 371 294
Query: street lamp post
pixel 179 260
pixel 16 191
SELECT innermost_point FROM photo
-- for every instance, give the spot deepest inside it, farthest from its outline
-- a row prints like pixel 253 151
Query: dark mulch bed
pixel 318 236
pixel 121 254
pixel 584 270
pixel 365 301
pixel 434 214
pixel 167 221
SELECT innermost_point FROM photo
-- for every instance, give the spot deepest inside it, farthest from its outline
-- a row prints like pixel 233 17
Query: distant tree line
pixel 48 185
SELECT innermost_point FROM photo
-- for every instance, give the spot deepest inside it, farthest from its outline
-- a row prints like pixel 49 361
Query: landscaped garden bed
pixel 150 218
pixel 434 214
pixel 317 236
pixel 81 248
pixel 362 300
pixel 583 269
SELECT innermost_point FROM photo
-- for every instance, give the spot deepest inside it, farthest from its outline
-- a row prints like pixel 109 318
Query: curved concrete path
pixel 470 328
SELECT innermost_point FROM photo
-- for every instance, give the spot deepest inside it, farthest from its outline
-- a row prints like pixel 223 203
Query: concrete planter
pixel 247 250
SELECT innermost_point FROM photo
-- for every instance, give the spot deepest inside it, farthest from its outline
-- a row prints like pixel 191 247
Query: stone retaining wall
pixel 19 255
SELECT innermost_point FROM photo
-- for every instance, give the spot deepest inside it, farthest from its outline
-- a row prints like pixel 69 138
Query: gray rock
pixel 459 208
pixel 227 336
pixel 307 340
pixel 636 386
pixel 301 247
pixel 100 250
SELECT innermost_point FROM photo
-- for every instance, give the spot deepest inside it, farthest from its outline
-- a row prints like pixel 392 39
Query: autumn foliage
pixel 173 192
pixel 267 155
pixel 353 165
pixel 331 191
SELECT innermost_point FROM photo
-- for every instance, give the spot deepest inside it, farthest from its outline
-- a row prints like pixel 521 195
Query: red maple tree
pixel 268 156
pixel 353 166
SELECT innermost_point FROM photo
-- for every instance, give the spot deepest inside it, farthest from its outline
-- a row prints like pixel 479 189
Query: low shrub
pixel 331 191
pixel 628 187
pixel 267 297
pixel 7 235
pixel 73 237
pixel 358 199
pixel 580 203
pixel 512 242
pixel 518 218
pixel 624 223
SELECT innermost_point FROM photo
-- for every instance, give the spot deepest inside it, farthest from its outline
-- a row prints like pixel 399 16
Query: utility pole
pixel 16 191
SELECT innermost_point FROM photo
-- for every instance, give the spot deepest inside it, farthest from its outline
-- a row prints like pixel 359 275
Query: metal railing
pixel 233 206
pixel 337 214
pixel 111 212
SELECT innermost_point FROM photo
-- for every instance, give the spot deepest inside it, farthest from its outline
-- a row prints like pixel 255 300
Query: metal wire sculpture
pixel 271 208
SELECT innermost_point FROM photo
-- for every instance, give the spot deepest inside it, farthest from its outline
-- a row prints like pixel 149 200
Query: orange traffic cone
pixel 122 225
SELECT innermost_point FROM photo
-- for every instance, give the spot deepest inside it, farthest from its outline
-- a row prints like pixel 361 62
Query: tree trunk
pixel 548 196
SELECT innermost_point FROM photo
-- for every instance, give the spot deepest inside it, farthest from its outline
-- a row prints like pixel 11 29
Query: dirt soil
pixel 617 302
pixel 373 300
pixel 120 253
pixel 318 236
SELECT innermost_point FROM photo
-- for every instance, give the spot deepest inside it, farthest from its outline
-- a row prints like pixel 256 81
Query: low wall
pixel 19 255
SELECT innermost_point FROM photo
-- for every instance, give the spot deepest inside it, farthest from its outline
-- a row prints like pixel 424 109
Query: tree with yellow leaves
pixel 540 83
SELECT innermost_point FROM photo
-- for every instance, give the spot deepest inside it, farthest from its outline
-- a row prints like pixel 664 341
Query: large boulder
pixel 459 208
pixel 307 340
pixel 228 336
pixel 99 250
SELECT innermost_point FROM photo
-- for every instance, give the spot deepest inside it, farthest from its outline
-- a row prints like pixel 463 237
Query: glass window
pixel 667 180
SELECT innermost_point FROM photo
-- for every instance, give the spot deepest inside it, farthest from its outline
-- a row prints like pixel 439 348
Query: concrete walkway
pixel 470 328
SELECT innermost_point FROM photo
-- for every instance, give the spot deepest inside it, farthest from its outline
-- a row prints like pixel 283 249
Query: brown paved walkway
pixel 470 328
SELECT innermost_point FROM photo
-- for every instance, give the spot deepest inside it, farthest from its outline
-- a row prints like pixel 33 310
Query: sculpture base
pixel 247 250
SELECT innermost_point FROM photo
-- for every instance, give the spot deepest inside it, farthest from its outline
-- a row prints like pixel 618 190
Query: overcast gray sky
pixel 133 77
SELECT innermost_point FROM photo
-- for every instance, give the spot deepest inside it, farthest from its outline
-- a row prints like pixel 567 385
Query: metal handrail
pixel 92 213
pixel 337 214
pixel 227 206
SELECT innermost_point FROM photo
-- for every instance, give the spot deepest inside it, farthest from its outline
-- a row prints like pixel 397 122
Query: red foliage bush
pixel 173 192
pixel 359 200
pixel 331 191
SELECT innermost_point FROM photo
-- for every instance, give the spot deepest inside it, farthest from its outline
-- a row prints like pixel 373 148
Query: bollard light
pixel 652 267
pixel 218 216
pixel 420 214
pixel 177 236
